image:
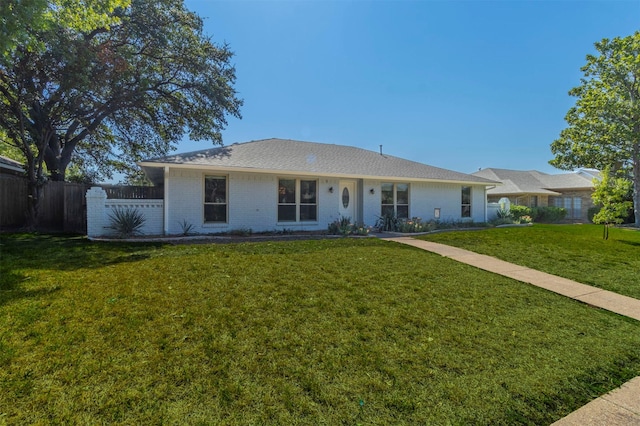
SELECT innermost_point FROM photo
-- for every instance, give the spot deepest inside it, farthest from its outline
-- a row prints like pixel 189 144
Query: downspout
pixel 486 204
pixel 165 205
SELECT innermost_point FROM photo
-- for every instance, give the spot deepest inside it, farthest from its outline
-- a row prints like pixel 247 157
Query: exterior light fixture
pixel 372 191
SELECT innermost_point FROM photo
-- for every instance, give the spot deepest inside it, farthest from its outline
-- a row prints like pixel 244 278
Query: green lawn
pixel 577 252
pixel 348 331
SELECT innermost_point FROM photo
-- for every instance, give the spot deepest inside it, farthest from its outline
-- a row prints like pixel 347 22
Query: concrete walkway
pixel 620 407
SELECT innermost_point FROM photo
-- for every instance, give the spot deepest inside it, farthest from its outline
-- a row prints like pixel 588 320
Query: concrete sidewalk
pixel 620 407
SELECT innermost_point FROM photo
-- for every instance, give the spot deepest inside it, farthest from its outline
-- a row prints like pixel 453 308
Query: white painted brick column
pixel 96 219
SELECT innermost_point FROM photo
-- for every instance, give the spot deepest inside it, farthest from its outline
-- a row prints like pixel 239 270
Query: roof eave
pixel 310 173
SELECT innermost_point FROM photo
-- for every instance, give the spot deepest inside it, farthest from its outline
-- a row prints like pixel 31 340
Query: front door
pixel 347 200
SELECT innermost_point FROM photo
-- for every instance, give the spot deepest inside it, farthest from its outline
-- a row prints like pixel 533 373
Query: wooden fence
pixel 63 206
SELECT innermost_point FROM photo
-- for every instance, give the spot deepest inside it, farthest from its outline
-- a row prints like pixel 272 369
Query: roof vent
pixel 380 149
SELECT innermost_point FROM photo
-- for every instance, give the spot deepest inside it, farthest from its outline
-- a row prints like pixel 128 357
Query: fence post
pixel 96 220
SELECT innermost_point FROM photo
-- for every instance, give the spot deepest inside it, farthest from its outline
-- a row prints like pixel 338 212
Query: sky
pixel 461 85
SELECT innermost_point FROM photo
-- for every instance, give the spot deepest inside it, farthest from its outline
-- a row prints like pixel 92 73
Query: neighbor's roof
pixel 10 164
pixel 535 182
pixel 307 158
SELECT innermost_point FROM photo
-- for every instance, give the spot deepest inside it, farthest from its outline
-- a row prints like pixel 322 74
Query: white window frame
pixel 214 203
pixel 463 204
pixel 395 199
pixel 298 200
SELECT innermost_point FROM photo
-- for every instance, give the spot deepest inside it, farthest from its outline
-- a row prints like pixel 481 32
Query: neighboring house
pixel 536 189
pixel 11 167
pixel 277 184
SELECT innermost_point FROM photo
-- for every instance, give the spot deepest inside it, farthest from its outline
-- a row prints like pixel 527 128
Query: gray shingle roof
pixel 535 182
pixel 310 158
pixel 11 164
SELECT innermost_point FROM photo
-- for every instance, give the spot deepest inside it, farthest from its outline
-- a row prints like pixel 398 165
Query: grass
pixel 306 332
pixel 577 252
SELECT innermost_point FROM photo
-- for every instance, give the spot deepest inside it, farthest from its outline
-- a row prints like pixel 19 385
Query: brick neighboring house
pixel 536 189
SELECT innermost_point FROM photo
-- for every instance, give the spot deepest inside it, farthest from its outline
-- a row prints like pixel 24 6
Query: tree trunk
pixel 34 189
pixel 636 184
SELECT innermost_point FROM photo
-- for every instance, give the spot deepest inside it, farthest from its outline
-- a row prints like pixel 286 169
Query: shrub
pixel 126 222
pixel 388 222
pixel 519 211
pixel 340 226
pixel 503 214
pixel 548 214
pixel 186 227
pixel 344 227
pixel 415 224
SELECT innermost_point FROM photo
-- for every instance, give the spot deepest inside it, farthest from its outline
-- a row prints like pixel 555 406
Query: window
pixel 395 199
pixel 215 199
pixel 466 202
pixel 533 201
pixel 297 200
pixel 573 206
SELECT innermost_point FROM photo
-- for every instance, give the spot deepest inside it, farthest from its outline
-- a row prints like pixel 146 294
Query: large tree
pixel 604 125
pixel 108 95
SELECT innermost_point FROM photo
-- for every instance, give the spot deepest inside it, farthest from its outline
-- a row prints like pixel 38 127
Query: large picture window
pixel 297 200
pixel 466 202
pixel 395 199
pixel 215 199
pixel 573 206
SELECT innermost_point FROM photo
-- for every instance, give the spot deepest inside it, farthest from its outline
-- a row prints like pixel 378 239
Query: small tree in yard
pixel 611 193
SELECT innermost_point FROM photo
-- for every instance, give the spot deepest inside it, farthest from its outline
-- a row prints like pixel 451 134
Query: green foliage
pixel 340 226
pixel 603 128
pixel 592 212
pixel 337 331
pixel 414 225
pixel 388 223
pixel 21 17
pixel 548 214
pixel 343 226
pixel 504 214
pixel 186 227
pixel 518 212
pixel 611 194
pixel 110 85
pixel 126 222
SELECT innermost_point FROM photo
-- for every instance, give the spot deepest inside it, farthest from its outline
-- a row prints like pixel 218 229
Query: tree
pixel 107 96
pixel 611 193
pixel 604 124
pixel 19 15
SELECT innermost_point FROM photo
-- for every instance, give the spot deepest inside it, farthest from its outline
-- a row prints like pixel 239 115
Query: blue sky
pixel 461 85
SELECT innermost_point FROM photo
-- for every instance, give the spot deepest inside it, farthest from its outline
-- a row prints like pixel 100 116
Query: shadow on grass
pixel 66 253
pixel 631 243
pixel 10 290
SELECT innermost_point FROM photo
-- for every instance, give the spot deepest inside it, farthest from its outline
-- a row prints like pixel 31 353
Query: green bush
pixel 341 226
pixel 126 222
pixel 518 211
pixel 548 214
pixel 388 222
pixel 415 224
pixel 344 227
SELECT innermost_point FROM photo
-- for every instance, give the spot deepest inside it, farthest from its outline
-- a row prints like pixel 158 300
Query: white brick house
pixel 277 184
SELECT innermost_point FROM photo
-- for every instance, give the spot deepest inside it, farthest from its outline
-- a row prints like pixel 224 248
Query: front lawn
pixel 577 252
pixel 349 331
